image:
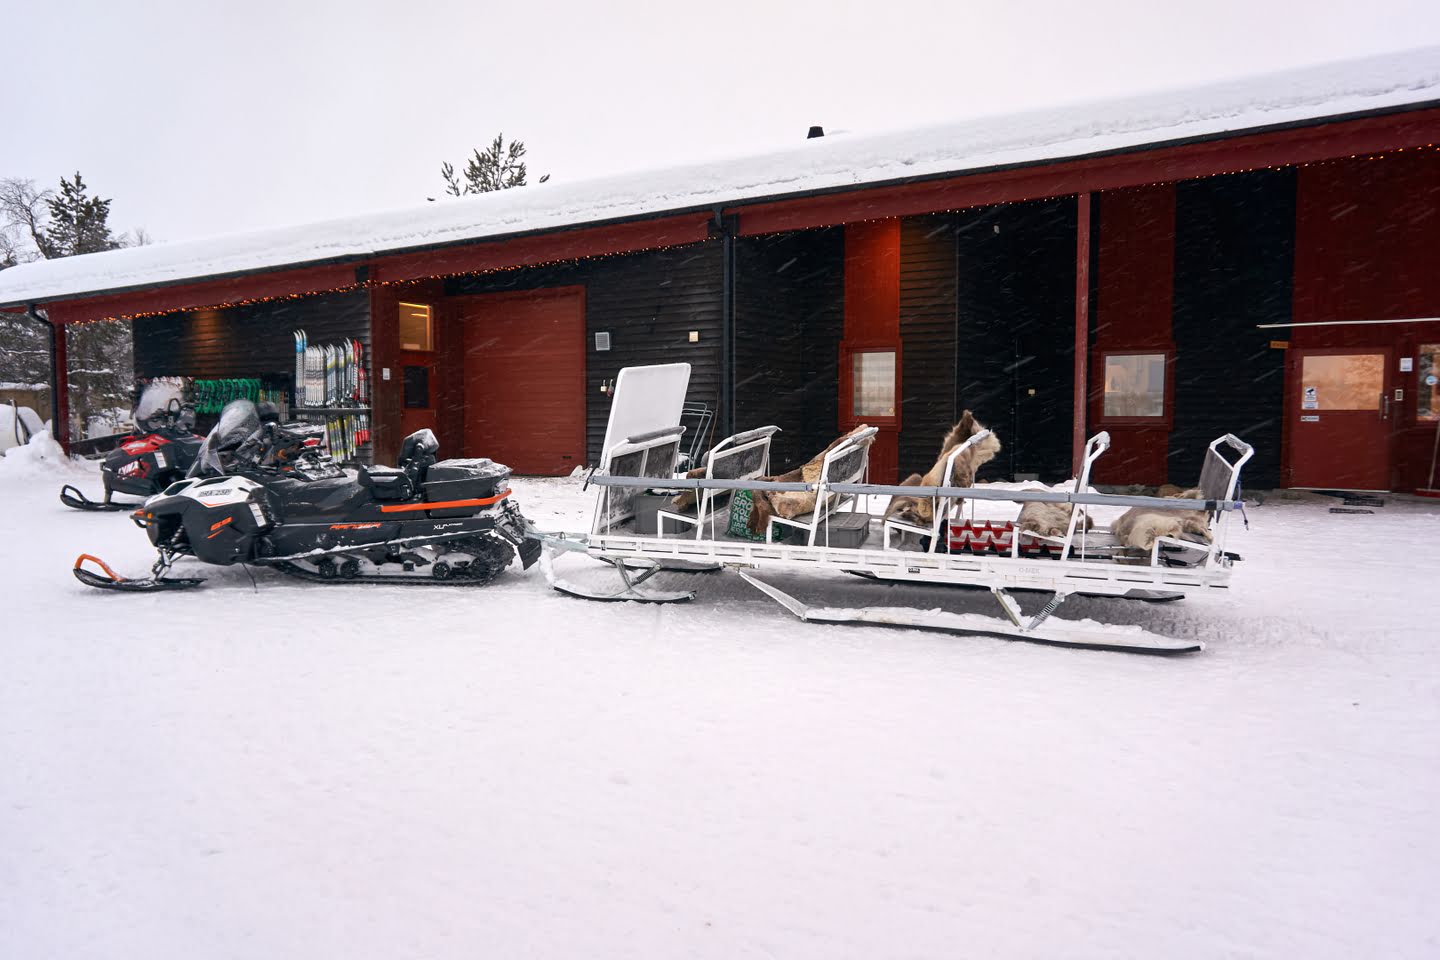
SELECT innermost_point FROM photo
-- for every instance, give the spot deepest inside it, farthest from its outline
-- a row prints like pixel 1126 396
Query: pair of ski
pixel 330 375
pixel 345 434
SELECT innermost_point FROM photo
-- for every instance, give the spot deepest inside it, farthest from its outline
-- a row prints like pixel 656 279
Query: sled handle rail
pixel 887 489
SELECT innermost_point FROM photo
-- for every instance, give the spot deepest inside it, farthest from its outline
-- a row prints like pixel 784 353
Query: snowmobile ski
pixel 72 497
pixel 110 580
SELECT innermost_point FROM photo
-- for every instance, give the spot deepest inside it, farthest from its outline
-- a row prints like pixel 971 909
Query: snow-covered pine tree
pixel 79 223
pixel 498 167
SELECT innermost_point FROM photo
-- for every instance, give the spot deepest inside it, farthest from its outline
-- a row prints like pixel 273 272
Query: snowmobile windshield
pixel 237 422
pixel 154 403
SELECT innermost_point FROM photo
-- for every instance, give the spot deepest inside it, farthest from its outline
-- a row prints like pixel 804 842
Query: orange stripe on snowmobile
pixel 216 527
pixel 99 563
pixel 445 504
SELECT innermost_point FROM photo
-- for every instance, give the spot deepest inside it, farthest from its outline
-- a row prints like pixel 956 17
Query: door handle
pixel 1385 409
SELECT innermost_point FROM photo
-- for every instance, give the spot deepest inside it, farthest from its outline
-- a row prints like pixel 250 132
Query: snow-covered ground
pixel 305 771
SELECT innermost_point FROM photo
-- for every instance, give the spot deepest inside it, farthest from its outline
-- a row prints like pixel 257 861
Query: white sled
pixel 1082 562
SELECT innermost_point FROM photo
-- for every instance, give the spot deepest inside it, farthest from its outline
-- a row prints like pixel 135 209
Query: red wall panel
pixel 1134 300
pixel 872 319
pixel 1367 247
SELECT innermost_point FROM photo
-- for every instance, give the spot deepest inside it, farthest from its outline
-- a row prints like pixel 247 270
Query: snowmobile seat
pixel 417 455
pixel 387 483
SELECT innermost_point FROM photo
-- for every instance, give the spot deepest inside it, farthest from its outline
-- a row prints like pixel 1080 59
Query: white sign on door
pixel 1311 400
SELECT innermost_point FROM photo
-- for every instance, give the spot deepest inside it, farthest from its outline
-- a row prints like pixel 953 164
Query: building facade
pixel 1278 279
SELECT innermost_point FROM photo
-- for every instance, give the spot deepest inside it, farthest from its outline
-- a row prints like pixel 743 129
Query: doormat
pixel 1359 500
pixel 1348 509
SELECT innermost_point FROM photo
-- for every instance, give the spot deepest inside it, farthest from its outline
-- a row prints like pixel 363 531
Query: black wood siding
pixel 249 341
pixel 1234 269
pixel 928 310
pixel 648 302
pixel 1016 296
pixel 789 318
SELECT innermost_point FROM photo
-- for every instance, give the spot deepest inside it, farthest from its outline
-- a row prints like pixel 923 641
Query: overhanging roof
pixel 1393 82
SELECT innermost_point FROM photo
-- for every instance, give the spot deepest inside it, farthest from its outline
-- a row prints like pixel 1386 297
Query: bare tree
pixel 23 210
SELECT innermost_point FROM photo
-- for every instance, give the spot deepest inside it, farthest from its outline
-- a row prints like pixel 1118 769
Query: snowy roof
pixel 1393 81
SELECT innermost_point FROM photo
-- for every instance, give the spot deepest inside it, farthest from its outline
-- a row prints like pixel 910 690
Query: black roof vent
pixel 815 132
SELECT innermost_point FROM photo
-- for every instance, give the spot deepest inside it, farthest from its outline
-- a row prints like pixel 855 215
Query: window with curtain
pixel 1135 385
pixel 872 383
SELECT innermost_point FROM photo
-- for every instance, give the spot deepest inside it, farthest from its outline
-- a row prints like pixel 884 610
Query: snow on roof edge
pixel 1393 82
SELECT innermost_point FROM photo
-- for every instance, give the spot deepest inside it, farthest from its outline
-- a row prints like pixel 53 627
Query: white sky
pixel 207 117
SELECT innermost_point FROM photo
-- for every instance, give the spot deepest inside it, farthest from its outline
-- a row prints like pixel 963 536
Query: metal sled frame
pixel 1085 565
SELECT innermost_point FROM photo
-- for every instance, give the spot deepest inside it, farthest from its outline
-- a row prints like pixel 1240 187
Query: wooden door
pixel 1340 413
pixel 525 379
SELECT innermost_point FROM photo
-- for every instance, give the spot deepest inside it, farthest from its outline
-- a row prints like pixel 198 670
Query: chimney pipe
pixel 815 132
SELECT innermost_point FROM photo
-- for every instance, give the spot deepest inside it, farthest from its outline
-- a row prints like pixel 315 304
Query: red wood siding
pixel 1367 236
pixel 872 319
pixel 387 396
pixel 525 379
pixel 1135 287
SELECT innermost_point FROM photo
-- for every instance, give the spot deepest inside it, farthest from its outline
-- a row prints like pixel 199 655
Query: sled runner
pixel 835 536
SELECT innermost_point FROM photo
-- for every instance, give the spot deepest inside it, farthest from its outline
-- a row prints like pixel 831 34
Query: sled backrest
pixel 1094 447
pixel 645 399
pixel 849 462
pixel 744 456
pixel 1219 475
pixel 651 454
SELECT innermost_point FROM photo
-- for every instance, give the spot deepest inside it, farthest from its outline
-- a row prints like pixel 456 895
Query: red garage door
pixel 525 379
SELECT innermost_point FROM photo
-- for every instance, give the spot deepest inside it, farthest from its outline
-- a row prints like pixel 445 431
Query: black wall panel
pixel 928 290
pixel 249 341
pixel 1016 296
pixel 789 318
pixel 1234 269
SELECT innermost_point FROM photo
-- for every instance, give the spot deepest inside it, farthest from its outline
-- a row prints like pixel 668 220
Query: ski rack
pixel 1085 564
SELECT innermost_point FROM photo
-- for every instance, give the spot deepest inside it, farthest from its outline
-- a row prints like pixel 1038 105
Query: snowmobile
pixel 161 451
pixel 258 496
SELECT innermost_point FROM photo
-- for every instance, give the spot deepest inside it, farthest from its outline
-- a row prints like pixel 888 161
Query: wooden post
pixel 60 386
pixel 1082 325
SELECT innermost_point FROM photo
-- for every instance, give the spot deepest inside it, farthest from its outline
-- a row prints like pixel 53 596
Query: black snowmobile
pixel 161 451
pixel 259 495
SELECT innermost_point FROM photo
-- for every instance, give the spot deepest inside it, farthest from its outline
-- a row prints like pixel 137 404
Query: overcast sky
pixel 210 117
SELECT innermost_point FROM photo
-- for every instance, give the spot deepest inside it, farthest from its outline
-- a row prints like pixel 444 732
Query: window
pixel 1135 385
pixel 1429 385
pixel 415 327
pixel 872 383
pixel 1354 381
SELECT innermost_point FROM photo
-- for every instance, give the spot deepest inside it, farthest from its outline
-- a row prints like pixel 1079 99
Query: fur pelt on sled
pixel 920 511
pixel 792 503
pixel 1050 519
pixel 1139 527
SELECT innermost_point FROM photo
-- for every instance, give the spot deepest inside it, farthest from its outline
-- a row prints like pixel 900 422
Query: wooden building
pixel 1258 257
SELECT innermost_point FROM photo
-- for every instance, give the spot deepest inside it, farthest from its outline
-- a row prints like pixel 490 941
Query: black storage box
pixel 477 479
pixel 847 529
